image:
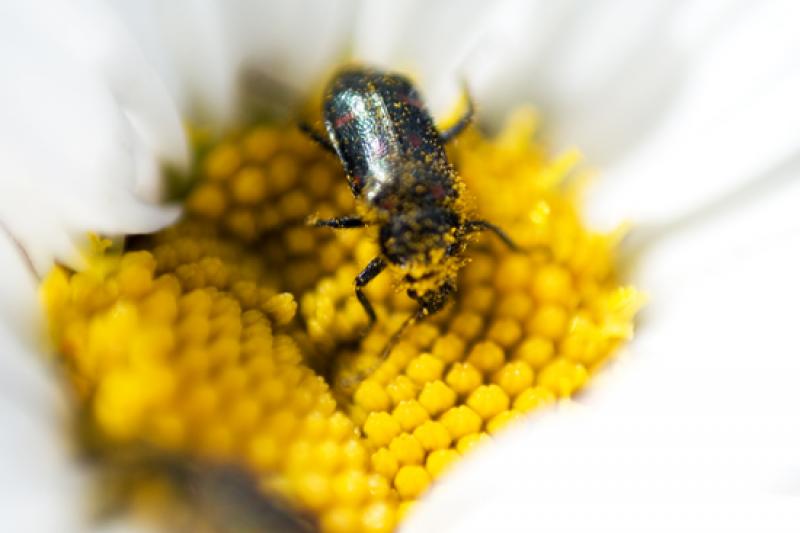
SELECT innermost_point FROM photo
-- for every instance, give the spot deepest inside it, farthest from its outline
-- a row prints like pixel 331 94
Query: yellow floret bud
pixel 354 454
pixel 549 321
pixel 513 273
pixel 242 223
pixel 326 455
pixel 432 435
pixel 463 378
pixel 222 162
pixel 535 351
pixel 261 143
pixel 350 487
pixel 299 456
pixel 313 490
pixel 424 334
pixel 244 414
pixel 436 397
pixel 385 463
pixel 534 397
pixel 562 376
pixel 449 348
pixel 283 170
pixel 379 517
pixel 467 325
pixel 135 277
pixel 407 449
pixel 411 481
pixel 401 388
pixel 372 396
pixel 505 332
pixel 340 427
pixel 281 308
pixel 440 460
pixel 486 356
pixel 315 425
pixel 207 200
pixel 265 451
pixel 381 428
pixel 553 283
pixel 514 377
pixel 461 421
pixel 468 442
pixel 340 520
pixel 516 306
pixel 169 430
pixel 479 298
pixel 405 508
pixel 161 305
pixel 501 420
pixel 378 487
pixel 124 398
pixel 488 400
pixel 425 368
pixel 410 414
pixel 249 185
pixel 216 441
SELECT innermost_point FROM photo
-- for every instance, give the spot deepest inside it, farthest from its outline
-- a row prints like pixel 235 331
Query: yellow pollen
pixel 234 337
pixel 436 397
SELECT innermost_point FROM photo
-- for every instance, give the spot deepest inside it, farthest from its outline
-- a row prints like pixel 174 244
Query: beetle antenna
pixel 317 137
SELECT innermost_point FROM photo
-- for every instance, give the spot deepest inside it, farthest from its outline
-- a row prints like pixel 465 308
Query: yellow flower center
pixel 234 337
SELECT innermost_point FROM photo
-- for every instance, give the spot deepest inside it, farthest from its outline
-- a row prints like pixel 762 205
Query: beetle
pixel 396 165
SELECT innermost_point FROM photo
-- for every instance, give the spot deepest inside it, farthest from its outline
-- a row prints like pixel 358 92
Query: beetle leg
pixel 453 131
pixel 397 335
pixel 471 226
pixel 374 268
pixel 317 137
pixel 347 221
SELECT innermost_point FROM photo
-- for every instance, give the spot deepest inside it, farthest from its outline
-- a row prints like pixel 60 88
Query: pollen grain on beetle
pixel 233 337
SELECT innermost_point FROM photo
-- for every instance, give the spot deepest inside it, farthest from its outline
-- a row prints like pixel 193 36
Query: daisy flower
pixel 687 112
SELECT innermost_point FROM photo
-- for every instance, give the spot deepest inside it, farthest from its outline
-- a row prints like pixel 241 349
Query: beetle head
pixel 421 238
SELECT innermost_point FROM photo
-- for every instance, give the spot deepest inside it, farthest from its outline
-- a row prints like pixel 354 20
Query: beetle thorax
pixel 424 246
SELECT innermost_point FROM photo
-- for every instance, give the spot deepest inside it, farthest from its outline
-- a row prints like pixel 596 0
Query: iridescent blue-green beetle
pixel 398 171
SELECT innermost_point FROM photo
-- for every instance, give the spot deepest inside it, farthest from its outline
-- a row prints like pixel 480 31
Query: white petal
pixel 427 39
pixel 79 134
pixel 717 459
pixel 678 104
pixel 696 427
pixel 597 70
pixel 295 44
pixel 40 485
pixel 187 43
pixel 697 431
pixel 734 122
pixel 214 53
pixel 95 39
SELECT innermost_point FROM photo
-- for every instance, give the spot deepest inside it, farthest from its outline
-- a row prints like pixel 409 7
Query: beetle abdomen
pixel 384 136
